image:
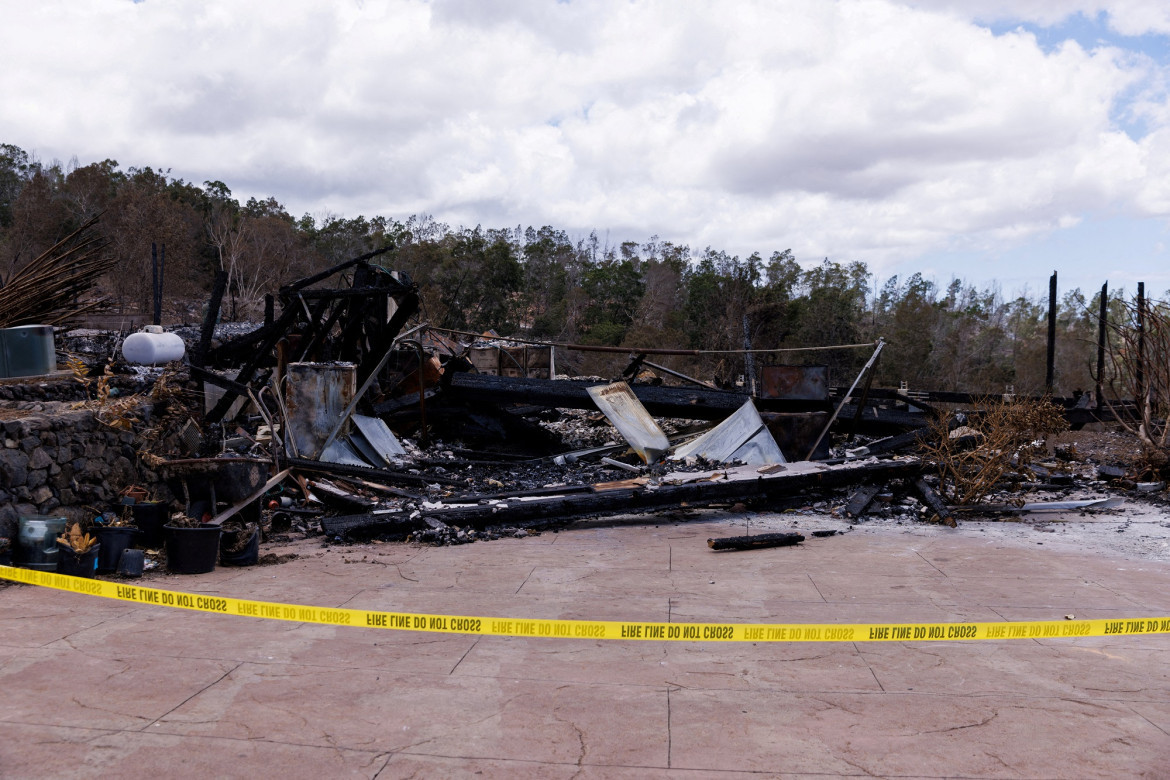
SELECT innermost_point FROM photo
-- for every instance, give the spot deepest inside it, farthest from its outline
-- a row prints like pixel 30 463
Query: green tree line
pixel 541 283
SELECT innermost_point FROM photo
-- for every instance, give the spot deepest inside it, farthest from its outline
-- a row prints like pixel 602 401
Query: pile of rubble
pixel 344 415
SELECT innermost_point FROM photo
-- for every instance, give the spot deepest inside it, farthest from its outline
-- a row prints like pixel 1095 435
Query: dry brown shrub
pixel 1008 434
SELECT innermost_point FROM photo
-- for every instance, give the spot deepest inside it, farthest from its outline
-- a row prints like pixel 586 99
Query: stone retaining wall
pixel 64 462
pixel 61 387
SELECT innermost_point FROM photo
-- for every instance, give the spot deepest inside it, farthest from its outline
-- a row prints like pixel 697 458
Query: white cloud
pixel 1127 17
pixel 857 129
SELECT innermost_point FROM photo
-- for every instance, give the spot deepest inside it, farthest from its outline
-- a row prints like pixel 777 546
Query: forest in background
pixel 540 283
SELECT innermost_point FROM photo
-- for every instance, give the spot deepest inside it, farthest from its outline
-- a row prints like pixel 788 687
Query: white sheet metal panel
pixel 342 452
pixel 742 436
pixel 622 408
pixel 380 437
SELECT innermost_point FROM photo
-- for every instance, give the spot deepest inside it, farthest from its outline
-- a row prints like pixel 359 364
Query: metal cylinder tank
pixel 317 394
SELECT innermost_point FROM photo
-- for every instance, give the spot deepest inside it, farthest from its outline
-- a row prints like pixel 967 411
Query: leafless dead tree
pixel 1139 372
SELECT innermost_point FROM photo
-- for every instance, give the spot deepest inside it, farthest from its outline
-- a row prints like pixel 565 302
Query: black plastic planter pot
pixel 150 517
pixel 192 550
pixel 131 563
pixel 113 542
pixel 247 555
pixel 77 564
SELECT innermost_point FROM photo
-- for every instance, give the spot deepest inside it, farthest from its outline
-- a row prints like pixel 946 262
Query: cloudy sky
pixel 993 140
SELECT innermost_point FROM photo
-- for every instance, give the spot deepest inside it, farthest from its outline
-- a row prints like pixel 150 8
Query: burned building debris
pixel 345 414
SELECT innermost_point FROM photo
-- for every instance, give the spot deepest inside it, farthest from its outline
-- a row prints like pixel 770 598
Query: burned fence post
pixel 210 316
pixel 1101 323
pixel 422 397
pixel 1140 372
pixel 749 359
pixel 1050 371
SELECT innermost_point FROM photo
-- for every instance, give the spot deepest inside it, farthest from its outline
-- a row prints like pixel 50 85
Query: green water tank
pixel 27 350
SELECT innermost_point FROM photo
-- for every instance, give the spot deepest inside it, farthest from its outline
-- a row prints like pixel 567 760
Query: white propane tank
pixel 152 347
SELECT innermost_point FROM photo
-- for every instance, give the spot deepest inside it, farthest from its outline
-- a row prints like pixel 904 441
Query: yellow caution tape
pixel 592 629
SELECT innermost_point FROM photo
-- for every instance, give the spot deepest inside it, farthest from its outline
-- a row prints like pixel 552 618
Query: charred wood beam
pixel 934 502
pixel 300 284
pixel 877 421
pixel 486 455
pixel 383 339
pixel 209 319
pixel 643 499
pixel 316 331
pixel 348 293
pixel 405 402
pixel 861 499
pixel 370 474
pixel 342 525
pixel 212 378
pixel 235 346
pixel 755 542
pixel 544 491
pixel 905 441
pixel 694 403
pixel 966 399
pixel 245 375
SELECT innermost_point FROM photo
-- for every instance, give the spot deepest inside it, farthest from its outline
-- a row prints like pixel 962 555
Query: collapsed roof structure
pixel 330 389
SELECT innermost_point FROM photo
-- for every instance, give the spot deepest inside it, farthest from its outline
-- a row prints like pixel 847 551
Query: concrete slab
pixel 93 688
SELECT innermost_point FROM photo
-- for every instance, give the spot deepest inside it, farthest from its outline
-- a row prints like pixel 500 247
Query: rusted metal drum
pixel 317 394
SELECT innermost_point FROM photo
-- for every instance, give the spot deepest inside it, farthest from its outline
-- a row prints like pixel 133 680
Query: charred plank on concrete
pixel 932 500
pixel 755 542
pixel 861 499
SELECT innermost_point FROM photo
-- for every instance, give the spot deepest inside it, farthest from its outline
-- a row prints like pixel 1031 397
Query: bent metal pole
pixel 845 398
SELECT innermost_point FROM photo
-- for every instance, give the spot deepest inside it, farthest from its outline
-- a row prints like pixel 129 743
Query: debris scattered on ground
pixel 345 417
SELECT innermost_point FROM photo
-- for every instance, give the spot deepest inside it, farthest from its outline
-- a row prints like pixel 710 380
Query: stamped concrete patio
pixel 98 688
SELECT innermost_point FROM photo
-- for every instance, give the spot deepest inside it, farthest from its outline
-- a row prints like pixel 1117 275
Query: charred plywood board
pixel 622 408
pixel 742 436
